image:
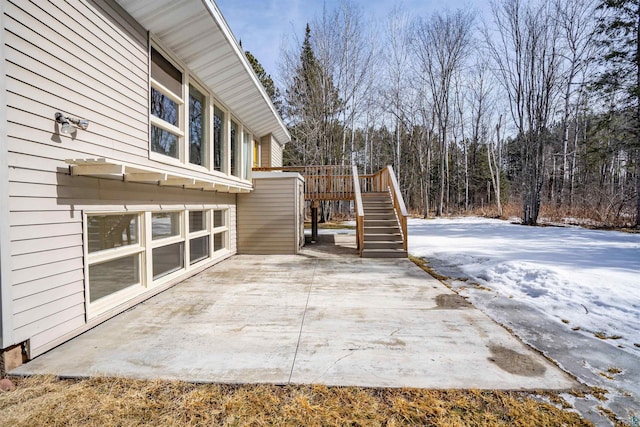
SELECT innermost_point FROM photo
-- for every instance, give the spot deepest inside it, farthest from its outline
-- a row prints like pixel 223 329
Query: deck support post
pixel 314 221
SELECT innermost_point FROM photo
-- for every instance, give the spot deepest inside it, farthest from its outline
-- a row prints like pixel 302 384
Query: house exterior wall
pixel 276 155
pixel 270 152
pixel 88 59
pixel 5 282
pixel 269 218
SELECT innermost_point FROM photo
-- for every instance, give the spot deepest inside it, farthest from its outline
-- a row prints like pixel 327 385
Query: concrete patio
pixel 325 316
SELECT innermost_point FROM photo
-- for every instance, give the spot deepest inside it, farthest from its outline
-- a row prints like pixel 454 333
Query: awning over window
pixel 114 169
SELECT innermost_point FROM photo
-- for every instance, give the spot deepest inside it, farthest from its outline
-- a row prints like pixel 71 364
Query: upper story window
pixel 197 127
pixel 219 158
pixel 188 127
pixel 166 106
pixel 234 149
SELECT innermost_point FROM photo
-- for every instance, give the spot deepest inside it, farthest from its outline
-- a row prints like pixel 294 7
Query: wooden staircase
pixel 382 233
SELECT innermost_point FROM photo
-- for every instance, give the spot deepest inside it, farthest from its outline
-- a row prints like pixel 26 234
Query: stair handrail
pixel 359 211
pixel 398 203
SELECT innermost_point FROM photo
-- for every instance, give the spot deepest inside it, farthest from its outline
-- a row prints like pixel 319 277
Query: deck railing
pixel 330 182
pixel 359 211
pixel 385 180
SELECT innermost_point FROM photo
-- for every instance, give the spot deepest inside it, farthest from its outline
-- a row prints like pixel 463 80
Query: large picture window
pixel 129 252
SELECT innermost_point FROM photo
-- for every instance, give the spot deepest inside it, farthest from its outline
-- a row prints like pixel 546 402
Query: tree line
pixel 534 109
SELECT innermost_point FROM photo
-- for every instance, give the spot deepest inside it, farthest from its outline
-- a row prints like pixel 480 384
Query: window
pixel 246 155
pixel 168 251
pixel 234 148
pixel 114 254
pixel 220 230
pixel 130 252
pixel 256 154
pixel 199 236
pixel 188 128
pixel 197 127
pixel 218 141
pixel 166 106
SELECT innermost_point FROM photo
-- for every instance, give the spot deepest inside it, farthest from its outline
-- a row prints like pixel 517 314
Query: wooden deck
pixel 337 182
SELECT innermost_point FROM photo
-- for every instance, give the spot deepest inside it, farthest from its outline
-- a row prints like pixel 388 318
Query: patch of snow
pixel 551 286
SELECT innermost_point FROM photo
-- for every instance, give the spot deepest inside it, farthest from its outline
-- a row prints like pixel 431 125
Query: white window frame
pixel 106 302
pixel 165 241
pixel 199 234
pixel 207 132
pixel 145 246
pixel 182 131
pixel 220 229
pixel 178 131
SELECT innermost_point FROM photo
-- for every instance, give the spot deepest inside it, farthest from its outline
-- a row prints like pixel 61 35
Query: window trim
pixel 182 131
pixel 145 246
pixel 105 303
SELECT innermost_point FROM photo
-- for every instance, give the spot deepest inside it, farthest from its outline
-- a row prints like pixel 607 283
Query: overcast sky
pixel 262 25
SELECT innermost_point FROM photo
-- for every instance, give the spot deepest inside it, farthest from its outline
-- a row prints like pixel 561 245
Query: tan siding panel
pixel 95 110
pixel 20 135
pixel 22 247
pixel 19 218
pixel 51 324
pixel 53 294
pixel 34 314
pixel 266 220
pixel 103 127
pixel 44 59
pixel 46 283
pixel 34 273
pixel 64 27
pixel 73 319
pixel 34 259
pixel 26 232
pixel 276 155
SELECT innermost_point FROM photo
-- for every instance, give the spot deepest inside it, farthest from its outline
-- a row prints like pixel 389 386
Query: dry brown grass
pixel 44 401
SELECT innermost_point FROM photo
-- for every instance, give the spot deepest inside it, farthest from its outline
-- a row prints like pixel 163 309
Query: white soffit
pixel 197 33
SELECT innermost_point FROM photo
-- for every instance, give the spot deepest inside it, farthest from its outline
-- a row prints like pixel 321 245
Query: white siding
pixel 276 154
pixel 5 277
pixel 268 218
pixel 86 59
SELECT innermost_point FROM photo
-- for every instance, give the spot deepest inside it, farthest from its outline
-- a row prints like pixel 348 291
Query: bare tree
pixel 526 60
pixel 441 46
pixel 576 25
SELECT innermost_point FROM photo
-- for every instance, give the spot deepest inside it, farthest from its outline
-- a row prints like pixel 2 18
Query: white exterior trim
pixel 6 299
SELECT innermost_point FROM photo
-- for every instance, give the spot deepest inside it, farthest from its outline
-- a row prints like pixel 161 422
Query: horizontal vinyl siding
pixel 267 217
pixel 86 59
pixel 276 155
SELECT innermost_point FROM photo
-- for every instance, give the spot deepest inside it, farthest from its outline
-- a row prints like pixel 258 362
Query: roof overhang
pixel 196 32
pixel 114 169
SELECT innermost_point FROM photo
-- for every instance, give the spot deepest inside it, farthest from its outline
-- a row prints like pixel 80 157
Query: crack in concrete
pixel 304 314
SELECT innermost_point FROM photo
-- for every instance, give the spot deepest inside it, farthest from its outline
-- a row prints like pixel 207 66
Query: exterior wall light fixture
pixel 66 126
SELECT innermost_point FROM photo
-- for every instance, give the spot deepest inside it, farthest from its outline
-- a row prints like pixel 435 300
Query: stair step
pixel 383 253
pixel 368 230
pixel 390 244
pixel 376 237
pixel 380 216
pixel 380 222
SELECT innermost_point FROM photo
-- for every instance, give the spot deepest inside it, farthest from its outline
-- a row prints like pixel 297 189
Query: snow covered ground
pixel 570 292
